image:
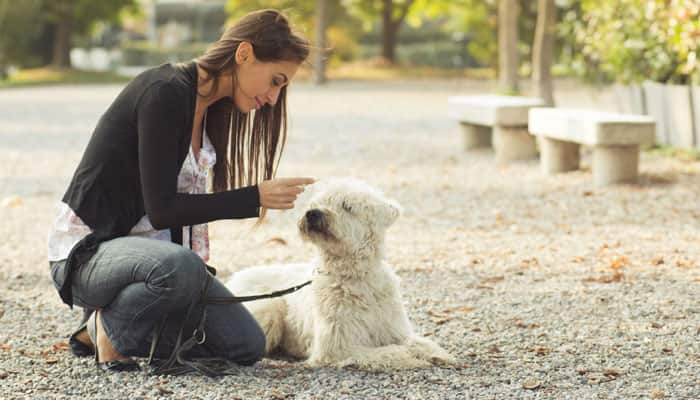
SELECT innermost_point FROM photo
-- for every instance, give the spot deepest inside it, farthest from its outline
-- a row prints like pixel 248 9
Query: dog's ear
pixel 392 210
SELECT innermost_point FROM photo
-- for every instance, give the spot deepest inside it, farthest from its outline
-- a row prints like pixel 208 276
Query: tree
pixel 392 14
pixel 19 27
pixel 320 50
pixel 326 20
pixel 543 51
pixel 69 17
pixel 508 11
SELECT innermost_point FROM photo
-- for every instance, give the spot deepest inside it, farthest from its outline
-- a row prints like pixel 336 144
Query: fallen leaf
pixel 277 240
pixel 540 351
pixel 685 264
pixel 618 263
pixel 612 372
pixel 531 384
pixel 696 280
pixel 582 371
pixel 667 350
pixel 51 360
pixel 520 324
pixel 656 325
pixel 43 373
pixel 11 201
pixel 657 394
pixel 657 261
pixel 491 279
pixel 468 309
pixel 5 347
pixel 440 321
pixel 280 396
pixel 587 193
pixel 617 277
pixel 61 346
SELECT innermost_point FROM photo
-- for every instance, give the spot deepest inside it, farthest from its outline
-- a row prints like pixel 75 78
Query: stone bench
pixel 615 139
pixel 501 118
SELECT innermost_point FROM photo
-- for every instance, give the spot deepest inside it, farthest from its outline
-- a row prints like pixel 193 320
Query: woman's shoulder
pixel 166 82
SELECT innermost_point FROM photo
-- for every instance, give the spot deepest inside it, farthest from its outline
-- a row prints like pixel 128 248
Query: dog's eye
pixel 347 207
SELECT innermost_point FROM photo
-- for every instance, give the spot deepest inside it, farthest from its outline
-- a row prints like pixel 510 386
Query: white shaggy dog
pixel 352 313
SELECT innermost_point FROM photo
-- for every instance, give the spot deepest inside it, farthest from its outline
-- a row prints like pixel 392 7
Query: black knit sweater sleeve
pixel 161 119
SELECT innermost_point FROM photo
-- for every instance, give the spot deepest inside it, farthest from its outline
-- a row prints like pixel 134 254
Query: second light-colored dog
pixel 352 313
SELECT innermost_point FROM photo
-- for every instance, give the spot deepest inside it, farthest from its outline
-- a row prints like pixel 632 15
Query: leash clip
pixel 204 336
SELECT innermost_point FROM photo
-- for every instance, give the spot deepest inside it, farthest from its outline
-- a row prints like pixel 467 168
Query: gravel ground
pixel 542 287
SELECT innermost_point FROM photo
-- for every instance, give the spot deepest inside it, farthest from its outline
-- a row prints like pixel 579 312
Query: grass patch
pixel 51 76
pixel 675 152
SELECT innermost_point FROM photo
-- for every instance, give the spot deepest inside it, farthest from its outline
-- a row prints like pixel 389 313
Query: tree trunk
pixel 320 53
pixel 508 45
pixel 62 41
pixel 388 32
pixel 543 51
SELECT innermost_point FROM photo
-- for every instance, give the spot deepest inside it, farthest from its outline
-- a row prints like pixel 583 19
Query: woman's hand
pixel 281 193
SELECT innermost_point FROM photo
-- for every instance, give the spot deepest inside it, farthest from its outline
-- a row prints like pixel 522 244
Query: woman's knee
pixel 254 348
pixel 180 274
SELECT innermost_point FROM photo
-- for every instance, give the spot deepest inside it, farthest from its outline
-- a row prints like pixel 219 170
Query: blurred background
pixel 647 48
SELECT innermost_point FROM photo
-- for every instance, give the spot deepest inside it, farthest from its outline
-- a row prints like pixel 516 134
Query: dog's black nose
pixel 313 217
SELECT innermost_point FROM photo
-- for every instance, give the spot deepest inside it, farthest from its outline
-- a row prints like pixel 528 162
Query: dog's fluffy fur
pixel 352 313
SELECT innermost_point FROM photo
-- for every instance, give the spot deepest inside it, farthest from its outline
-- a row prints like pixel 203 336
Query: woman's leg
pixel 135 281
pixel 231 330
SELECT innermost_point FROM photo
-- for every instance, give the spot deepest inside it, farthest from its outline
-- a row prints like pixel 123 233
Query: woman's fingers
pixel 281 193
pixel 296 181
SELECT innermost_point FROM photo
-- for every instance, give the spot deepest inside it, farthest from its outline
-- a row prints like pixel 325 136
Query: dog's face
pixel 348 218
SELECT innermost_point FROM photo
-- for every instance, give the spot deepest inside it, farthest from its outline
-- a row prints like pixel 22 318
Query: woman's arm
pixel 161 116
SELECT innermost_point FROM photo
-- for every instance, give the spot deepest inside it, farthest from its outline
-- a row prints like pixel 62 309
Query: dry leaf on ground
pixel 618 263
pixel 277 240
pixel 617 277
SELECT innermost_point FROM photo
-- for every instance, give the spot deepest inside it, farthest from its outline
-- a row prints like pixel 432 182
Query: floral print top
pixel 68 229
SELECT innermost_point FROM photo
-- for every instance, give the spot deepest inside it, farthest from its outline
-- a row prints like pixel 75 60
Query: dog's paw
pixel 443 360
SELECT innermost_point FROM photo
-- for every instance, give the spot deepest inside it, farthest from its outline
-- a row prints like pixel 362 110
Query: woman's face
pixel 259 83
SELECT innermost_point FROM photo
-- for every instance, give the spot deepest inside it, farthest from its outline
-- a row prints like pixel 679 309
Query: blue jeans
pixel 136 281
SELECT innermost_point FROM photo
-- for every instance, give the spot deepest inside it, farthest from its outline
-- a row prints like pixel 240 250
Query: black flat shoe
pixel 127 364
pixel 78 348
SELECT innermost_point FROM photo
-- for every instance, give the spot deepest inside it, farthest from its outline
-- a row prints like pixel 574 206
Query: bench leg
pixel 513 144
pixel 558 155
pixel 476 136
pixel 615 164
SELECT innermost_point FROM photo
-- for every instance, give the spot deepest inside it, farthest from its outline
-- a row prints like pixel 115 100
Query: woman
pixel 130 241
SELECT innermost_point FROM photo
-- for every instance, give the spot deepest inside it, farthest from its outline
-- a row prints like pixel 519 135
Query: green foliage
pixel 85 13
pixel 25 24
pixel 634 40
pixel 19 26
pixel 342 27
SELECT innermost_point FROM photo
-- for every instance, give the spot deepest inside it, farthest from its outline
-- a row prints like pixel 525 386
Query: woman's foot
pixel 106 357
pixel 83 338
pixel 105 351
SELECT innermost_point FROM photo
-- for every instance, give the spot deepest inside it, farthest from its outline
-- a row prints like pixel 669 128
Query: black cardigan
pixel 131 164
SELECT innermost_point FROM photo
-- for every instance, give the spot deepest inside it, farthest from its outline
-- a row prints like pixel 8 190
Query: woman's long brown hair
pixel 248 153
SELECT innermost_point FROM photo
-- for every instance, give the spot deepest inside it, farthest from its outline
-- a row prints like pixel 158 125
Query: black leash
pixel 176 363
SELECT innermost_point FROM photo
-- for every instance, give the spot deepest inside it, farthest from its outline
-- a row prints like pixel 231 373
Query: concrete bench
pixel 501 118
pixel 615 139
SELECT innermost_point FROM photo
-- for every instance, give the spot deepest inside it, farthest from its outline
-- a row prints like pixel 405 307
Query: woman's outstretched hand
pixel 281 193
